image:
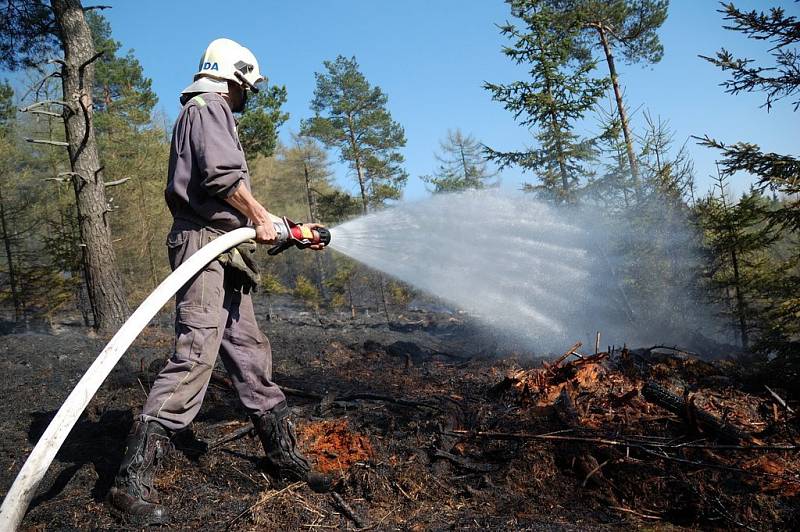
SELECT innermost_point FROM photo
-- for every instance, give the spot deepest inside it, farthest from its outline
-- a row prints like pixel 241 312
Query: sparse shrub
pixel 305 290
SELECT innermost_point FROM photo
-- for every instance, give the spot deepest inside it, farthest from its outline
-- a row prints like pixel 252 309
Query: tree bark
pixel 623 115
pixel 109 305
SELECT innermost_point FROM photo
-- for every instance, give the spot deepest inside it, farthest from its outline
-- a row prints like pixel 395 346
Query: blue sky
pixel 432 57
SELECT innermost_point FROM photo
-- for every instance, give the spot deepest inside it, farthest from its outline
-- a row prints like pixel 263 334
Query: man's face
pixel 237 97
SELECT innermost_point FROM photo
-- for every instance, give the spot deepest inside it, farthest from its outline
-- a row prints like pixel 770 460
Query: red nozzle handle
pixel 301 237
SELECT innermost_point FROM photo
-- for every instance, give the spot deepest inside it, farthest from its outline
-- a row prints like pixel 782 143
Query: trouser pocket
pixel 197 333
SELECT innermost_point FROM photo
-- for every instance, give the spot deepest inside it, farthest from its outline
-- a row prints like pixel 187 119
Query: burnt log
pixel 707 422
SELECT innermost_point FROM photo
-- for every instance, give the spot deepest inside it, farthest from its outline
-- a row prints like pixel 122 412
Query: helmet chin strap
pixel 245 81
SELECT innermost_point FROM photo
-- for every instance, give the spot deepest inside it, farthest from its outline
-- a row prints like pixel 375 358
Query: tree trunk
pixel 741 311
pixel 359 170
pixel 146 232
pixel 623 115
pixel 312 203
pixel 12 274
pixel 562 167
pixel 740 305
pixel 109 306
pixel 463 162
pixel 312 217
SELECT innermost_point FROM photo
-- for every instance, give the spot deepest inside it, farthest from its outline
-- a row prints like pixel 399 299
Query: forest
pixel 84 155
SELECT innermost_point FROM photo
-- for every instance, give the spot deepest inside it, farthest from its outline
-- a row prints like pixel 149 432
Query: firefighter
pixel 208 193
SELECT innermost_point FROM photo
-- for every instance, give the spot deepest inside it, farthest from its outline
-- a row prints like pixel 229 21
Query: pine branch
pixel 758 25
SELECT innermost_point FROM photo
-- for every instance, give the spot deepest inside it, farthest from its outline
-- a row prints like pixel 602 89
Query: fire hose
pixel 33 470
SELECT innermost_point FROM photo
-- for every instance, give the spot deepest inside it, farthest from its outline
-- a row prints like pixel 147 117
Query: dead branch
pixel 634 512
pixel 48 113
pixel 697 463
pixel 117 182
pixel 465 462
pixel 385 398
pixel 347 510
pixel 779 399
pixel 627 441
pixel 88 62
pixel 36 105
pixel 593 471
pixel 89 8
pixel 363 396
pixel 38 85
pixel 676 349
pixel 233 436
pixel 48 142
pixel 563 357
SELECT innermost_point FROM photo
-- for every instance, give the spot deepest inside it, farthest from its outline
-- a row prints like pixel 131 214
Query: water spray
pixel 542 276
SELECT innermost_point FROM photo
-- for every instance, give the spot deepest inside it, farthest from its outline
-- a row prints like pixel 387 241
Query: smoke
pixel 543 276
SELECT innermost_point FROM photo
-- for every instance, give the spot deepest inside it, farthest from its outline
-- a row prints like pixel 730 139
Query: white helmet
pixel 225 59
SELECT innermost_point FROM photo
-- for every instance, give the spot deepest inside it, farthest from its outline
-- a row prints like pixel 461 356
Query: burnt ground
pixel 424 425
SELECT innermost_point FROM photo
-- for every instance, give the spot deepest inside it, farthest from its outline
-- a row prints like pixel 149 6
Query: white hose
pixel 19 496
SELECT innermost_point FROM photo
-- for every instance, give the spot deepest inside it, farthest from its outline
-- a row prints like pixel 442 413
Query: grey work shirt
pixel 206 165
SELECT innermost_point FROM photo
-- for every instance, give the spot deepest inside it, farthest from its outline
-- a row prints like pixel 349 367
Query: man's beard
pixel 242 103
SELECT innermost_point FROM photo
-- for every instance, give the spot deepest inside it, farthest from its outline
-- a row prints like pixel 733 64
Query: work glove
pixel 241 270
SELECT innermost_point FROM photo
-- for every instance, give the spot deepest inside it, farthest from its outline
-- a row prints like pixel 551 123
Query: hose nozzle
pixel 296 234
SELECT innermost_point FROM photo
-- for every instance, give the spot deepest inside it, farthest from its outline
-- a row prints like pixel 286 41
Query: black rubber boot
pixel 277 436
pixel 133 493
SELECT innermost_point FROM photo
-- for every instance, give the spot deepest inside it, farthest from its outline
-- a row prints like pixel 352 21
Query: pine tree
pixel 29 282
pixel 261 120
pixel 628 27
pixel 778 173
pixel 774 171
pixel 612 189
pixel 337 206
pixel 30 33
pixel 737 241
pixel 311 161
pixel 559 93
pixel 351 116
pixel 8 157
pixel 462 165
pixel 667 176
pixel 134 157
pixel 122 95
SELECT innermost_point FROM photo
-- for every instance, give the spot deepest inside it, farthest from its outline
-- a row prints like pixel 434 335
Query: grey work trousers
pixel 211 318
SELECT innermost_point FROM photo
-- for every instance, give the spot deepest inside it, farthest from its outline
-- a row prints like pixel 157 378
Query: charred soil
pixel 424 426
